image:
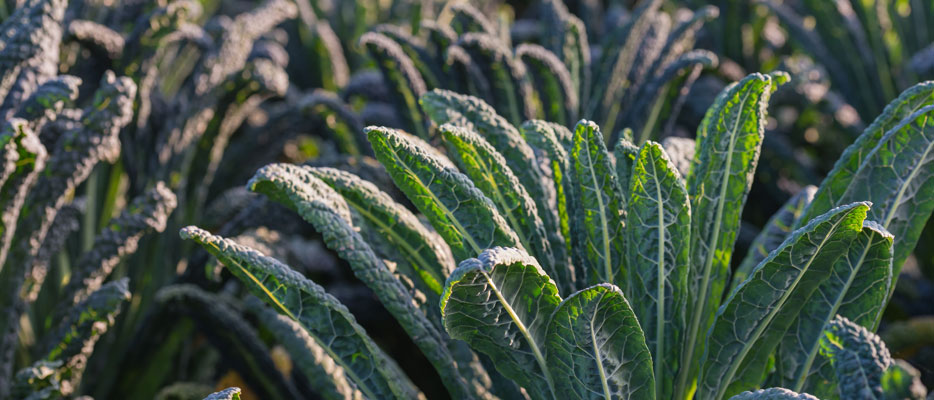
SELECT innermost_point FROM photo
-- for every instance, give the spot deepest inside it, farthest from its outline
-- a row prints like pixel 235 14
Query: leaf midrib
pixel 731 372
pixel 607 262
pixel 536 352
pixel 660 283
pixel 417 179
pixel 693 330
pixel 812 353
pixel 349 371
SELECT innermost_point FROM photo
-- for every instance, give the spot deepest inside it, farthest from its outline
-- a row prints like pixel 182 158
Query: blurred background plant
pixel 194 96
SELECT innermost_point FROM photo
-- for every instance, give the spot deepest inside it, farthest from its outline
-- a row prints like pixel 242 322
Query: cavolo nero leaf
pixel 599 216
pixel 831 191
pixel 320 314
pixel 757 313
pixel 466 219
pixel 489 172
pixel 857 289
pixel 500 303
pixel 896 176
pixel 327 211
pixel 444 106
pixel 657 240
pixel 597 349
pixel 728 142
pixel 423 250
pixel 626 153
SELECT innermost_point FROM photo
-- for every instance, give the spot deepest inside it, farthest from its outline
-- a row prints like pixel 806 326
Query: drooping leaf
pixel 657 240
pixel 728 142
pixel 468 18
pixel 320 314
pixel 626 154
pixel 422 250
pixel 488 170
pixel 146 214
pixel 757 314
pixel 327 211
pixel 858 356
pixel 75 155
pixel 466 219
pixel 597 349
pixel 857 289
pixel 500 304
pixel 323 373
pixel 226 329
pixel 600 213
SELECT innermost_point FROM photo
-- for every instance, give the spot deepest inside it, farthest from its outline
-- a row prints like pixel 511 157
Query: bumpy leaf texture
pixel 327 211
pixel 320 314
pixel 657 239
pixel 596 348
pixel 500 304
pixel 757 314
pixel 728 142
pixel 467 220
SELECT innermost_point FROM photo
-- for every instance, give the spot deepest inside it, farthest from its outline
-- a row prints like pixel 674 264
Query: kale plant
pixel 619 284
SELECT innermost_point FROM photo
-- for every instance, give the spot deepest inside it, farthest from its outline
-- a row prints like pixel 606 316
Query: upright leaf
pixel 488 170
pixel 323 373
pixel 757 314
pixel 510 89
pixel 225 328
pixel 597 349
pixel 657 239
pixel 398 71
pixel 728 142
pixel 598 223
pixel 500 304
pixel 546 138
pixel 466 219
pixel 322 316
pixel 857 289
pixel 552 83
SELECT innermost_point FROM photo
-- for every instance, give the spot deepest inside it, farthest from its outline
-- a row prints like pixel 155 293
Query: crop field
pixel 467 199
